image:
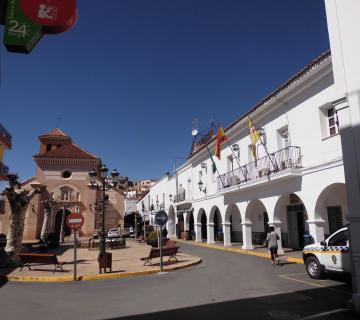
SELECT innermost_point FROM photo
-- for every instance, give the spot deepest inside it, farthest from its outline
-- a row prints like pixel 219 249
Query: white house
pixel 297 183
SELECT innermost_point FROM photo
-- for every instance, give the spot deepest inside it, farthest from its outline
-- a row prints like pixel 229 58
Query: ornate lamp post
pixel 106 183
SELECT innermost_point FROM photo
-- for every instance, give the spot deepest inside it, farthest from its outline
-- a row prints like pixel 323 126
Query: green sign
pixel 21 34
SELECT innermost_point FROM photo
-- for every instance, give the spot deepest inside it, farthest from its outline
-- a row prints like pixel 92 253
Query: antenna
pixel 195 126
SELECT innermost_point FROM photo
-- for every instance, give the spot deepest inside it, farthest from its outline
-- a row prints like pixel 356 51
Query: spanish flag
pixel 254 136
pixel 221 137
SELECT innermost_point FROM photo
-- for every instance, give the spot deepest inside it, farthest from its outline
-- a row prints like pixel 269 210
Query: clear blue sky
pixel 131 75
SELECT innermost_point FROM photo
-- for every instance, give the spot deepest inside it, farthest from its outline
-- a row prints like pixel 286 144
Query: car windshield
pixel 339 239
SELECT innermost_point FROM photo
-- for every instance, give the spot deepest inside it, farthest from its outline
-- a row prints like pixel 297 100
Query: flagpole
pixel 213 163
pixel 266 150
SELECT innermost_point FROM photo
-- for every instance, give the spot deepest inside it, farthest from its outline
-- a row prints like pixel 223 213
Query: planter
pixel 153 243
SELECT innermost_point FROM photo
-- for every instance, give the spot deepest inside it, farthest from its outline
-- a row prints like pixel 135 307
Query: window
pixel 332 121
pixel 48 147
pixel 66 174
pixel 339 239
pixel 283 138
pixel 334 218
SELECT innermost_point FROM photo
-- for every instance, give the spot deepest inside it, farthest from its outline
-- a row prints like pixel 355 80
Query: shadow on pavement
pixel 287 306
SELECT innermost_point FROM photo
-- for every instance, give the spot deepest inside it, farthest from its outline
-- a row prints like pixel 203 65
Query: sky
pixel 128 79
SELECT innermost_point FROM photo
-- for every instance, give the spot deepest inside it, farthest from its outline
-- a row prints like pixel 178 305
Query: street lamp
pixel 106 183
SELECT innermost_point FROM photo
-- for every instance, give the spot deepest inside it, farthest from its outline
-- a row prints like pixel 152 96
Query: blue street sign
pixel 161 218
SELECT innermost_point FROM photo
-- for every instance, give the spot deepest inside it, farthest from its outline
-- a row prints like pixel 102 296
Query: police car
pixel 332 254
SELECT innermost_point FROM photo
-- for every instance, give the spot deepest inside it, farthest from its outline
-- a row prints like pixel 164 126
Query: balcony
pixel 4 170
pixel 279 161
pixel 5 137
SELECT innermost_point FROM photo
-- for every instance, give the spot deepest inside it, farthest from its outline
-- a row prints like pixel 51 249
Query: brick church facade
pixel 63 167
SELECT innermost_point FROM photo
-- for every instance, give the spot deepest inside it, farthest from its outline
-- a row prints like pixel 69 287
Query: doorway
pixel 58 219
pixel 296 226
pixel 203 227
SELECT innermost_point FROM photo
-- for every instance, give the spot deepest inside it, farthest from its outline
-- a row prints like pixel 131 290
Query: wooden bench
pixel 155 253
pixel 40 258
pixel 170 243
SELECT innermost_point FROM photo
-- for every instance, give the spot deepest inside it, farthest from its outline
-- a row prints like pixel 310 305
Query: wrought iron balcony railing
pixel 4 170
pixel 5 136
pixel 289 157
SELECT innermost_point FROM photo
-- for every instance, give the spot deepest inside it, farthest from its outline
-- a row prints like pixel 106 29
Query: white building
pixel 299 187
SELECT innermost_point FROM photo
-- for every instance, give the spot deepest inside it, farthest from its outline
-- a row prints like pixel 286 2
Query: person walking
pixel 271 240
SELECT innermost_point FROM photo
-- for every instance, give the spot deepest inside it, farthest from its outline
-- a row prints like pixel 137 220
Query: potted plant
pixel 152 239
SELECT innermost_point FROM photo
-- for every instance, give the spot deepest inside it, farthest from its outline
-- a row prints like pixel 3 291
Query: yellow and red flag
pixel 254 136
pixel 221 137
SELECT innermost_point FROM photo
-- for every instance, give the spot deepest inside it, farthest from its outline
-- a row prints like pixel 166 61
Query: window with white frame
pixel 329 121
pixel 332 121
pixel 283 137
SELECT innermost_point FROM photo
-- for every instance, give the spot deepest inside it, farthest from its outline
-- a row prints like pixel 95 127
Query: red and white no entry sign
pixel 75 221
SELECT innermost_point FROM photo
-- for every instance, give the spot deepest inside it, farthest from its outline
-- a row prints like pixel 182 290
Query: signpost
pixel 75 221
pixel 161 219
pixel 26 21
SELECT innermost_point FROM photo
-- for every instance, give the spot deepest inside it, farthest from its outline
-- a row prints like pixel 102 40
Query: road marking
pixel 324 314
pixel 313 284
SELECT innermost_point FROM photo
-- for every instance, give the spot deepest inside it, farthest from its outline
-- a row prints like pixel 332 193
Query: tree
pixel 19 200
pixel 47 204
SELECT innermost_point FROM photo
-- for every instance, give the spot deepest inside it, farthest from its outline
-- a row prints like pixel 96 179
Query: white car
pixel 113 233
pixel 332 254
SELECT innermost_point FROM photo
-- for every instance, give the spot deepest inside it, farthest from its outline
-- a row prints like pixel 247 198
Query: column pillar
pixel 316 229
pixel 227 234
pixel 247 236
pixel 277 226
pixel 170 226
pixel 198 237
pixel 210 233
pixel 186 221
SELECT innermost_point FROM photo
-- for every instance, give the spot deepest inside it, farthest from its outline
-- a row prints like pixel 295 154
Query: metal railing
pixel 289 157
pixel 4 169
pixel 5 134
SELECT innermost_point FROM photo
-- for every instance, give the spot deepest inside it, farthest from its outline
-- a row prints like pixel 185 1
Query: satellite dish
pixel 194 132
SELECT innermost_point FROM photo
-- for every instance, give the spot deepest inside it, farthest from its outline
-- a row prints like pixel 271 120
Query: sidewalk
pixel 289 255
pixel 125 263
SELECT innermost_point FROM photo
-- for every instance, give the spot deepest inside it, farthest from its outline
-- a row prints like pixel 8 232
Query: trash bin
pixel 105 261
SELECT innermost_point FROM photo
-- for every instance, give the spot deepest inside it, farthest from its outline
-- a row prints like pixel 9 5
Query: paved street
pixel 225 284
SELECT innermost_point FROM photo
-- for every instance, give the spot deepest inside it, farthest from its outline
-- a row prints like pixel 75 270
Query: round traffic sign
pixel 75 221
pixel 161 218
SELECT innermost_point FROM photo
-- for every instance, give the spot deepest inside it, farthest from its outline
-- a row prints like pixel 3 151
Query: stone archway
pixel 331 206
pixel 201 226
pixel 257 220
pixel 215 232
pixel 233 223
pixel 58 222
pixel 180 224
pixel 290 213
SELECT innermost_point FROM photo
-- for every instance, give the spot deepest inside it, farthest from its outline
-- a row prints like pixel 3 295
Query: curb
pixel 241 251
pixel 97 276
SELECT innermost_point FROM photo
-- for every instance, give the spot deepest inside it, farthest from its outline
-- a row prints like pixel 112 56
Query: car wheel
pixel 313 268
